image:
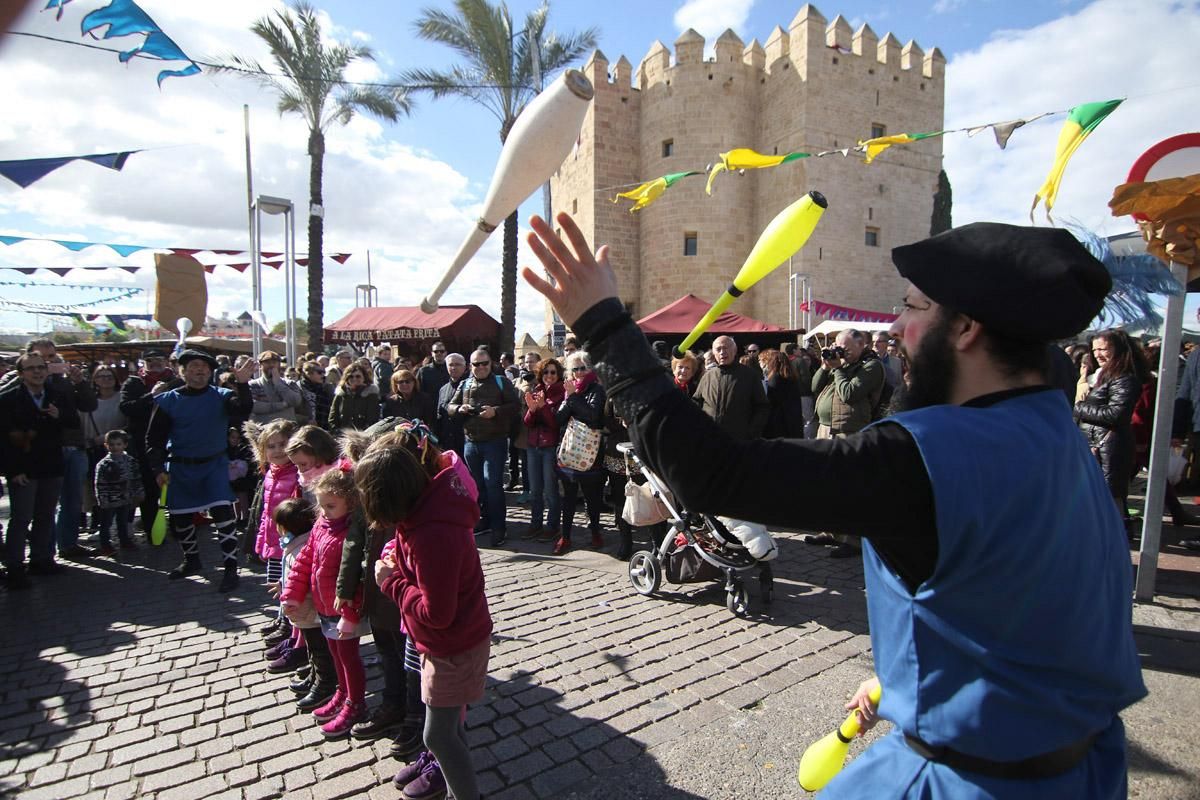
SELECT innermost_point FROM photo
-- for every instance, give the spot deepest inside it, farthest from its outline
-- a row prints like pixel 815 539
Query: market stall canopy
pixel 830 328
pixel 682 315
pixel 458 326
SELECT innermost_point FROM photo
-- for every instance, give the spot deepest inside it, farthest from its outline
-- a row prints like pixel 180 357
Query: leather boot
pixel 301 686
pixel 320 694
pixel 190 566
pixel 383 720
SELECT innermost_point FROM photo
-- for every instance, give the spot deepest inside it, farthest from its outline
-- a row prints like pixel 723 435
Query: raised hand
pixel 581 279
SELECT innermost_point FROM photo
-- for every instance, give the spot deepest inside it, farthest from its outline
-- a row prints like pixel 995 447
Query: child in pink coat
pixel 315 573
pixel 437 581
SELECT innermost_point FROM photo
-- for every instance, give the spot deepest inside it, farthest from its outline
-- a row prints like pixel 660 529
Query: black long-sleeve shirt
pixel 872 484
pixel 158 431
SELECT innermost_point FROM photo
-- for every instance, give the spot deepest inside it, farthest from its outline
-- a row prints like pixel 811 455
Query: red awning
pixel 681 316
pixel 409 323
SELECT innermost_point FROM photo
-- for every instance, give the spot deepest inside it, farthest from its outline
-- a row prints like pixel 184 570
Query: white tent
pixel 830 328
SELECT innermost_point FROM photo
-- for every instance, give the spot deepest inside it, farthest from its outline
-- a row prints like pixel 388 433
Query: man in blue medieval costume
pixel 186 445
pixel 997 569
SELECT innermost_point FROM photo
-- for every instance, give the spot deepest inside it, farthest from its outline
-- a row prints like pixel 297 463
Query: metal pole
pixel 254 249
pixel 1160 442
pixel 291 220
pixel 369 284
pixel 289 283
pixel 256 287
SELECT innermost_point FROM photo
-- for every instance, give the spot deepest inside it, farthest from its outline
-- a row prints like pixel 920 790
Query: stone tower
pixel 817 86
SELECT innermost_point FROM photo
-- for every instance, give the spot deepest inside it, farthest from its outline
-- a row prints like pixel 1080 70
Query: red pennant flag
pixel 26 270
pixel 240 267
pixel 184 251
pixel 60 271
pixel 340 257
pixel 209 268
pixel 265 254
pixel 131 269
pixel 272 264
pixel 227 252
pixel 302 262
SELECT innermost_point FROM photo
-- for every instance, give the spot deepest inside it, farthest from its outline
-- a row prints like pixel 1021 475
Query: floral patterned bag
pixel 579 446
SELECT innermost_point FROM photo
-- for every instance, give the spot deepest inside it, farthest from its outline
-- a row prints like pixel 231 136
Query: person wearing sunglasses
pixel 541 424
pixel 405 401
pixel 487 403
pixel 317 390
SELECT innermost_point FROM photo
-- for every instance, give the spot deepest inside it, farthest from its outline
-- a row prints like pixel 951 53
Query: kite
pixel 745 158
pixel 30 170
pixel 1081 121
pixel 650 191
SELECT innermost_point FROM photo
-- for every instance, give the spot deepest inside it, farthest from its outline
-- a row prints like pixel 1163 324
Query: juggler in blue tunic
pixel 199 424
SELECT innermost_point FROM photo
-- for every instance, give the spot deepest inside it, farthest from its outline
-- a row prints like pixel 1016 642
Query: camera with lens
pixel 830 353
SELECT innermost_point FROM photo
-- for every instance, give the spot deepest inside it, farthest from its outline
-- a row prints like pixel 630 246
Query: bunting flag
pixel 46 308
pixel 126 250
pixel 30 170
pixel 1081 121
pixel 745 158
pixel 877 145
pixel 57 285
pixel 650 191
pixel 1004 130
pixel 126 18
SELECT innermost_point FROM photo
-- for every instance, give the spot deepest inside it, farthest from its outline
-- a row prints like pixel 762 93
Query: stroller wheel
pixel 737 600
pixel 644 573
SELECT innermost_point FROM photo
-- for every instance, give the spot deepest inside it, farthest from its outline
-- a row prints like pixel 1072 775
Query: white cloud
pixel 409 208
pixel 710 18
pixel 947 6
pixel 1097 53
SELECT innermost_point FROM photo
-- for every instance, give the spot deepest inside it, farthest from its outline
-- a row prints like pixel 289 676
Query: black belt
pixel 1045 765
pixel 202 460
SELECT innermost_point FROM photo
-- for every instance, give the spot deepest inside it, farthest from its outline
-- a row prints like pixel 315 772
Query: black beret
pixel 1034 284
pixel 192 355
pixel 148 354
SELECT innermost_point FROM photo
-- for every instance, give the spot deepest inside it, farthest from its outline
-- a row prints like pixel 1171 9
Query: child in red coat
pixel 315 572
pixel 437 581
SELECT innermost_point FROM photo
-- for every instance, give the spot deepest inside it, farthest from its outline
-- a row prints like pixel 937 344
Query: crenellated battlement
pixel 808 40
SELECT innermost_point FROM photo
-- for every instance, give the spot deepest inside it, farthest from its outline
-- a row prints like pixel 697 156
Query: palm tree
pixel 500 69
pixel 309 79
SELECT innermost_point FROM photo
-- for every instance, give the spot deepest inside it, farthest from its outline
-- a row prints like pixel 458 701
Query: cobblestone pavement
pixel 119 685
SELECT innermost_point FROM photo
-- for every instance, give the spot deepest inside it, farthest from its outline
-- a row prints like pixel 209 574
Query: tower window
pixel 574 206
pixel 872 237
pixel 668 147
pixel 878 130
pixel 689 244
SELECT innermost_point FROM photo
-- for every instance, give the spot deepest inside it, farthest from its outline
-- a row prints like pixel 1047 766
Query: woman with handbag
pixel 541 424
pixel 580 454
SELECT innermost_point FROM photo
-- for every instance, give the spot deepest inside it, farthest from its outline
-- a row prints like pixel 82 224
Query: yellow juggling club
pixel 780 240
pixel 824 758
pixel 158 531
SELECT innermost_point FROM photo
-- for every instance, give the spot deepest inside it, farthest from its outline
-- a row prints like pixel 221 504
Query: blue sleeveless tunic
pixel 1021 641
pixel 199 424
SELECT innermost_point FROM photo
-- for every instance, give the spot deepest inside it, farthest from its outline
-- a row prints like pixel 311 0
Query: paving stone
pixel 555 780
pixel 173 776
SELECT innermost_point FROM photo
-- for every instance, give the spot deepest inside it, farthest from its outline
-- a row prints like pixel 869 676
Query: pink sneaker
pixel 339 727
pixel 330 709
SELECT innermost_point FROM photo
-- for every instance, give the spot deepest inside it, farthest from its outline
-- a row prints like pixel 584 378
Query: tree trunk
pixel 508 286
pixel 316 236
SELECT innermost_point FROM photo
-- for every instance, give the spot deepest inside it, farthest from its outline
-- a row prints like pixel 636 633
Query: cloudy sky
pixel 408 191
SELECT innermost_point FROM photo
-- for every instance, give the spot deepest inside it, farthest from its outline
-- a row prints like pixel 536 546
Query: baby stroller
pixel 700 547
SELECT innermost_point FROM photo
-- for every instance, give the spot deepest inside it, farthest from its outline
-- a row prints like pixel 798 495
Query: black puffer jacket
pixel 1105 418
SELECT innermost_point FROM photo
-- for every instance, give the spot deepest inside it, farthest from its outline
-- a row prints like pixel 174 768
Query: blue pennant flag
pixel 125 18
pixel 30 170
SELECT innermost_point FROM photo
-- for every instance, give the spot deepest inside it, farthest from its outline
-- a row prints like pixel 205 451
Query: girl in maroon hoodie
pixel 315 572
pixel 437 581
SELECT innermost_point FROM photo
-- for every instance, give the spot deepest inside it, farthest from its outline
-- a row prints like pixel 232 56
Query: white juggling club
pixel 538 143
